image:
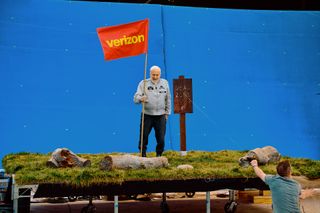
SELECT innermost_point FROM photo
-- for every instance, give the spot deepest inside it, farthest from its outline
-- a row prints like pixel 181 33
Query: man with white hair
pixel 155 94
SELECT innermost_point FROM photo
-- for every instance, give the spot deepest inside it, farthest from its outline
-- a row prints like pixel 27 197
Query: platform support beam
pixel 14 194
pixel 116 204
pixel 207 202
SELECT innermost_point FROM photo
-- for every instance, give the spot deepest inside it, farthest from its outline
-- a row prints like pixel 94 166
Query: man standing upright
pixel 155 94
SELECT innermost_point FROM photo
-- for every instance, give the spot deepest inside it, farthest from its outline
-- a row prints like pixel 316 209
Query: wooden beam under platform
pixel 141 187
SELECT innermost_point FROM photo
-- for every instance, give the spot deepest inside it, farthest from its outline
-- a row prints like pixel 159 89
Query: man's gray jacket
pixel 158 97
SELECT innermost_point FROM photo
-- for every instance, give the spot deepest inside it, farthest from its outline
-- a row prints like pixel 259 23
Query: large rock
pixel 263 155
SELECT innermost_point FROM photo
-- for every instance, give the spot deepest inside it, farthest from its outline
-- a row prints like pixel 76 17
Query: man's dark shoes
pixel 144 154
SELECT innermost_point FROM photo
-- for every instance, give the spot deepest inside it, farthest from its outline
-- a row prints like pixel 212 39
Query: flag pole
pixel 143 103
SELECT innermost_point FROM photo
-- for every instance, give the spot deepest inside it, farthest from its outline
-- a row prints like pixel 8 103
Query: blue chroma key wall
pixel 256 78
pixel 56 89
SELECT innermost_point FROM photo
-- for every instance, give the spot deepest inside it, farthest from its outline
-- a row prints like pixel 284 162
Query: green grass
pixel 30 168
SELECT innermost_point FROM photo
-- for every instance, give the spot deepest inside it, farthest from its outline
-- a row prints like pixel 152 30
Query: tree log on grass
pixel 110 162
pixel 63 157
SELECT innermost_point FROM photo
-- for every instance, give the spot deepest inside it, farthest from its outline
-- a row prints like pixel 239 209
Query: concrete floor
pixel 176 205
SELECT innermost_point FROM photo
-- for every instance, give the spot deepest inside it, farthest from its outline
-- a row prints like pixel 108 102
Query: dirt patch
pixel 307 183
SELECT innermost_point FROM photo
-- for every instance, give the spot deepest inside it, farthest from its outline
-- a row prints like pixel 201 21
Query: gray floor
pixel 175 206
pixel 176 203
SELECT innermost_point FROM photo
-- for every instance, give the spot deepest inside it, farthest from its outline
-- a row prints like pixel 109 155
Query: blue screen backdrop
pixel 256 77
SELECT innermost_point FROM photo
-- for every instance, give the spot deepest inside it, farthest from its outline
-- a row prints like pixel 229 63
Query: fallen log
pixel 110 162
pixel 63 157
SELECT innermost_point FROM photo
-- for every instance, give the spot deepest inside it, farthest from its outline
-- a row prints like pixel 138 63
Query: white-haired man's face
pixel 155 74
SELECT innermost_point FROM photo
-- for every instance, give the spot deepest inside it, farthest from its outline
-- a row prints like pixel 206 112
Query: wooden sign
pixel 182 89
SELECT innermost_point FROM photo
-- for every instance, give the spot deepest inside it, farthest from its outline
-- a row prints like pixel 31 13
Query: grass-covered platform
pixel 30 168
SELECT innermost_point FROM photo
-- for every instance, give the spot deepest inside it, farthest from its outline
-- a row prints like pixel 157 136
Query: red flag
pixel 124 40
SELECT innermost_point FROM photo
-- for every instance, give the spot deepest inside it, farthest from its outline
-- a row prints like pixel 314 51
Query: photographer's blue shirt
pixel 285 194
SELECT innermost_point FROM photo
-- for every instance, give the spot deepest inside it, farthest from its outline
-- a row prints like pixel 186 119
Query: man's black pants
pixel 158 123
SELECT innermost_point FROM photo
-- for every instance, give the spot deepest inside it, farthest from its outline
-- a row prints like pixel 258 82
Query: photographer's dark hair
pixel 284 168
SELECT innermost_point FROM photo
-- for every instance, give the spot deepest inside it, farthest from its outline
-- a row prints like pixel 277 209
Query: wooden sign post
pixel 182 89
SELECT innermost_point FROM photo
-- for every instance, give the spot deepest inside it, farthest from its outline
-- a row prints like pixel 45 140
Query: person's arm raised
pixel 257 170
